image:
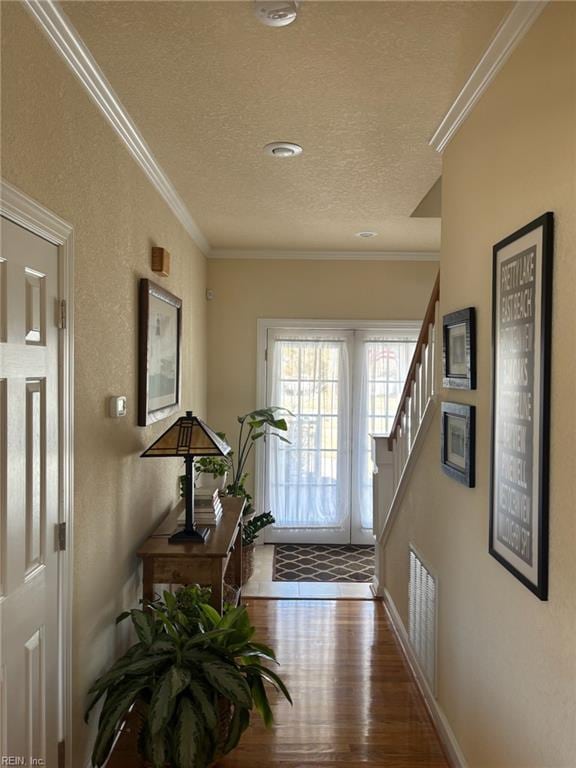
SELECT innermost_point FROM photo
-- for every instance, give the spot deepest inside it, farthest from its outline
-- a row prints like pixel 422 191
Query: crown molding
pixel 508 35
pixel 275 255
pixel 66 40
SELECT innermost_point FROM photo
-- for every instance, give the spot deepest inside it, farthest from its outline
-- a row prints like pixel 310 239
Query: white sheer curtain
pixel 382 362
pixel 309 479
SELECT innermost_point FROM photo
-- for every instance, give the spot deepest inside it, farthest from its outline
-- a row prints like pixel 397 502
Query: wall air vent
pixel 422 607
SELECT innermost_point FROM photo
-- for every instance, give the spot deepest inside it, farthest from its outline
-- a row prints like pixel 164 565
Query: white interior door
pixel 29 500
pixel 341 386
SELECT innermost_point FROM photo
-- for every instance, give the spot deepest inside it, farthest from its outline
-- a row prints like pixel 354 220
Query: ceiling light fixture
pixel 367 233
pixel 283 149
pixel 276 13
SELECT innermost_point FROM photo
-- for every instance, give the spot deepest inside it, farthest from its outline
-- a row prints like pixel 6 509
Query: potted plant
pixel 195 678
pixel 263 422
pixel 255 425
pixel 211 472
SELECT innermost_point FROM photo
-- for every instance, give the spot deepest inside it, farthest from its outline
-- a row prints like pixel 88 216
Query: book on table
pixel 207 507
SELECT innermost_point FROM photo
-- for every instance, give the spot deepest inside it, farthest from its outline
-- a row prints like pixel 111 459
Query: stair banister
pixel 395 453
pixel 423 356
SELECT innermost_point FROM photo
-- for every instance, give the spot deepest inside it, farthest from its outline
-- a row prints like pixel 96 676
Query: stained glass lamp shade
pixel 187 438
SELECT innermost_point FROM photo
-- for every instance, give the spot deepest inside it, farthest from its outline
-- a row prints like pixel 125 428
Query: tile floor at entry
pixel 261 584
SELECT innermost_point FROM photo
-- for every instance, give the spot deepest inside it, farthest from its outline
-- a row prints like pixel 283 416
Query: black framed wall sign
pixel 458 442
pixel 459 349
pixel 521 342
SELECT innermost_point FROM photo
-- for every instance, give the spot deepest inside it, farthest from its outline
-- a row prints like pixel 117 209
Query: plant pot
pixel 248 552
pixel 209 482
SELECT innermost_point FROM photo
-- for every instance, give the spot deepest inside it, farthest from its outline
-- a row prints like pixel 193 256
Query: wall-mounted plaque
pixel 521 337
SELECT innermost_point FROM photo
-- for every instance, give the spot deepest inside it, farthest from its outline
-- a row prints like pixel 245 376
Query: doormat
pixel 323 562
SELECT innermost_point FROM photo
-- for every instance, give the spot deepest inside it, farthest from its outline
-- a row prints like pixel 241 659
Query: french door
pixel 340 385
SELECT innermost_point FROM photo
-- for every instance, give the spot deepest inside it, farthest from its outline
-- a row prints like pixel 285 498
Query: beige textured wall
pixel 507 662
pixel 250 289
pixel 59 150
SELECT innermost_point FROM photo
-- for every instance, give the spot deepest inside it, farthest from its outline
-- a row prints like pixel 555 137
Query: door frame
pixel 263 325
pixel 29 214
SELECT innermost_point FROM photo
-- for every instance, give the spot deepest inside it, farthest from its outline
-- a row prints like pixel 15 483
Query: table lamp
pixel 187 438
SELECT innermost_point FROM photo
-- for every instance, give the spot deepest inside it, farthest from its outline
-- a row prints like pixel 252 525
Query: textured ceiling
pixel 362 86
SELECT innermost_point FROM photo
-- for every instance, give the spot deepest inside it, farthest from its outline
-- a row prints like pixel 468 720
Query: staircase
pixel 395 454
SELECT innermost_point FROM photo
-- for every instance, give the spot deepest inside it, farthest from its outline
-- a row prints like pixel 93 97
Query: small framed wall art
pixel 159 353
pixel 521 337
pixel 458 442
pixel 459 349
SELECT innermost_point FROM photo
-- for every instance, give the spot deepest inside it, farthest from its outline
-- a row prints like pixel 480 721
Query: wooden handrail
pixel 423 339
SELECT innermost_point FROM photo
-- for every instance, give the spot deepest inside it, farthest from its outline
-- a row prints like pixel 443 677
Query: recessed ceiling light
pixel 276 13
pixel 283 149
pixel 367 233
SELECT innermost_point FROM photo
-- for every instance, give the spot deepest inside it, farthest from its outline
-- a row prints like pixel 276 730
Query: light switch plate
pixel 117 406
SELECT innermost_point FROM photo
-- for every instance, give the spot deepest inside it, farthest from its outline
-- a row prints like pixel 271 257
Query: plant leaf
pixel 113 712
pixel 122 616
pixel 210 614
pixel 229 682
pixel 232 617
pixel 129 667
pixel 157 746
pixel 261 703
pixel 265 650
pixel 162 646
pixel 204 706
pixel 164 697
pixel 144 625
pixel 238 724
pixel 280 437
pixel 170 600
pixel 190 735
pixel 273 678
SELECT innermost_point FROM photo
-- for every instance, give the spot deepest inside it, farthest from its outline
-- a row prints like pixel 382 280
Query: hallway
pixel 355 703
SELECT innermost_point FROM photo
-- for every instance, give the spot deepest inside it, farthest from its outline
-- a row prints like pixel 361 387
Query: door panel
pixel 29 501
pixel 308 486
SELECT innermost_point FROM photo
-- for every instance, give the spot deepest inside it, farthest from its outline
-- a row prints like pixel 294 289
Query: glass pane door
pixel 340 387
pixel 381 369
pixel 309 478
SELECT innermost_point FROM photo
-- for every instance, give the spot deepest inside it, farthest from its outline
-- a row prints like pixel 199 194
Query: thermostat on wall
pixel 117 406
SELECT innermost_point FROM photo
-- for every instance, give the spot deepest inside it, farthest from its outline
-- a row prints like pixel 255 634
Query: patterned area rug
pixel 323 562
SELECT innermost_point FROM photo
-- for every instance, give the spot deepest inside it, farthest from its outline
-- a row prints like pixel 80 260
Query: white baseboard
pixel 445 732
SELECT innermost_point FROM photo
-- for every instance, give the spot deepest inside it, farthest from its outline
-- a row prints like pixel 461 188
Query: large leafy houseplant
pixel 263 422
pixel 190 665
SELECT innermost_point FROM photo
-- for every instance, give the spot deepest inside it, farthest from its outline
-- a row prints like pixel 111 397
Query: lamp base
pixel 196 536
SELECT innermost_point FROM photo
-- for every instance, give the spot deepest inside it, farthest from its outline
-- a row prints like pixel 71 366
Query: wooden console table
pixel 190 563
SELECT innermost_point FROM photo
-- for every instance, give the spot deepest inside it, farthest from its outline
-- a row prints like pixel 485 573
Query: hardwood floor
pixel 355 702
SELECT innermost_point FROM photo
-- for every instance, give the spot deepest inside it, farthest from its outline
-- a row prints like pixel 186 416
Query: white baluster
pixel 424 362
pixel 437 349
pixel 414 413
pixel 408 417
pixel 430 363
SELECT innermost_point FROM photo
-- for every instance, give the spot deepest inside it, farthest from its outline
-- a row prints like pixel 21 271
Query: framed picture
pixel 458 442
pixel 159 359
pixel 521 336
pixel 459 349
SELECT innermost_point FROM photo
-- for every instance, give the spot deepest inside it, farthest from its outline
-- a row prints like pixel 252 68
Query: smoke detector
pixel 283 149
pixel 276 13
pixel 366 234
